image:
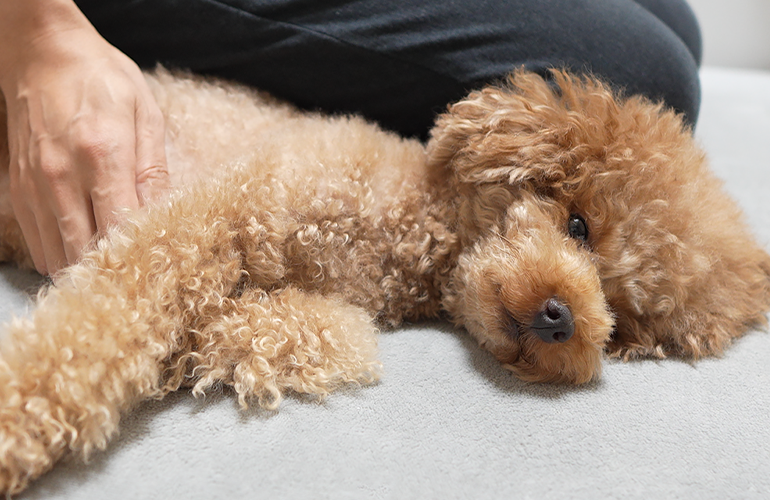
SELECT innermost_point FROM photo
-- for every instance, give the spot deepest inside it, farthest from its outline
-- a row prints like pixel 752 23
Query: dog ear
pixel 683 274
pixel 529 128
pixel 718 307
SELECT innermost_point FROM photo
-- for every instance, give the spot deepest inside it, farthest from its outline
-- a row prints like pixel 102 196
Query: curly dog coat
pixel 554 221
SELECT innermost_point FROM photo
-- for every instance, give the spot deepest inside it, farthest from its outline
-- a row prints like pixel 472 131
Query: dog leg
pixel 66 374
pixel 100 341
pixel 268 343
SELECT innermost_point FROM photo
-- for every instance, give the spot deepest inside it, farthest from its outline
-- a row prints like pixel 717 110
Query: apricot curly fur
pixel 291 238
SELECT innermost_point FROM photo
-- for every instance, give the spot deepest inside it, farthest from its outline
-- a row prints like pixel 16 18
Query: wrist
pixel 27 25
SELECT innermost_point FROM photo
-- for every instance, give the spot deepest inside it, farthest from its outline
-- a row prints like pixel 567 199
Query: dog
pixel 553 219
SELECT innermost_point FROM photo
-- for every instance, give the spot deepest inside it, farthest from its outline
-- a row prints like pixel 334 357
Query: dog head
pixel 590 224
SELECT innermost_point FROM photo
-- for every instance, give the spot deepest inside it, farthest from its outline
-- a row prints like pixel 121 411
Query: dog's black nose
pixel 554 322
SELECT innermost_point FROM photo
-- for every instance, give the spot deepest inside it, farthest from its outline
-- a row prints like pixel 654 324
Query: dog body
pixel 553 221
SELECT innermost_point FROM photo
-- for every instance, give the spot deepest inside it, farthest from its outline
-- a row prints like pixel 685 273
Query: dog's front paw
pixel 286 340
pixel 632 352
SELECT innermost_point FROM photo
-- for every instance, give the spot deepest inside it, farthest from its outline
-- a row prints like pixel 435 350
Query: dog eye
pixel 577 228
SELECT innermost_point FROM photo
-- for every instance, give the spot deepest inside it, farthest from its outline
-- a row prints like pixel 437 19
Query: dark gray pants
pixel 401 61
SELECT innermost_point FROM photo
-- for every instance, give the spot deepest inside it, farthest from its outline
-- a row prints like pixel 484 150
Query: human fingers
pixel 152 176
pixel 29 230
pixel 37 209
pixel 18 188
pixel 107 162
pixel 65 185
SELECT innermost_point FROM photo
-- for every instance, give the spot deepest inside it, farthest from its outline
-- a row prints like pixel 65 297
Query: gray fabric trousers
pixel 400 62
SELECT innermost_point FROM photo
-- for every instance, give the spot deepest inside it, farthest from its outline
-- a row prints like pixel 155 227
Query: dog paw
pixel 288 340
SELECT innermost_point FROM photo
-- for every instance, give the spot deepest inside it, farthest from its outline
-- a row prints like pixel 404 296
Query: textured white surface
pixel 447 422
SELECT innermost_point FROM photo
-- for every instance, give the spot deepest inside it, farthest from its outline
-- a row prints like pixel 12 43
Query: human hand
pixel 86 139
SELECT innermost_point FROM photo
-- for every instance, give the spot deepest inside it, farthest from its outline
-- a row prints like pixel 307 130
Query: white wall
pixel 735 32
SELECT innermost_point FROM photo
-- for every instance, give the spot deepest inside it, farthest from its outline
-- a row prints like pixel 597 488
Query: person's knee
pixel 623 42
pixel 638 53
pixel 680 18
pixel 666 72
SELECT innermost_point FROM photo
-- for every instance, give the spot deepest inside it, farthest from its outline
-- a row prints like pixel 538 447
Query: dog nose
pixel 554 323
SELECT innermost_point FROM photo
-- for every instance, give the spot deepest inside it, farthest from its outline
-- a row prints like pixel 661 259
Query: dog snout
pixel 554 323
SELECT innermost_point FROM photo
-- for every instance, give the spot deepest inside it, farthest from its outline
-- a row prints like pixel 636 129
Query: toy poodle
pixel 554 220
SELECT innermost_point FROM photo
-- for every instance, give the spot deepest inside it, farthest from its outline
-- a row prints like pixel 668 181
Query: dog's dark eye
pixel 577 228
